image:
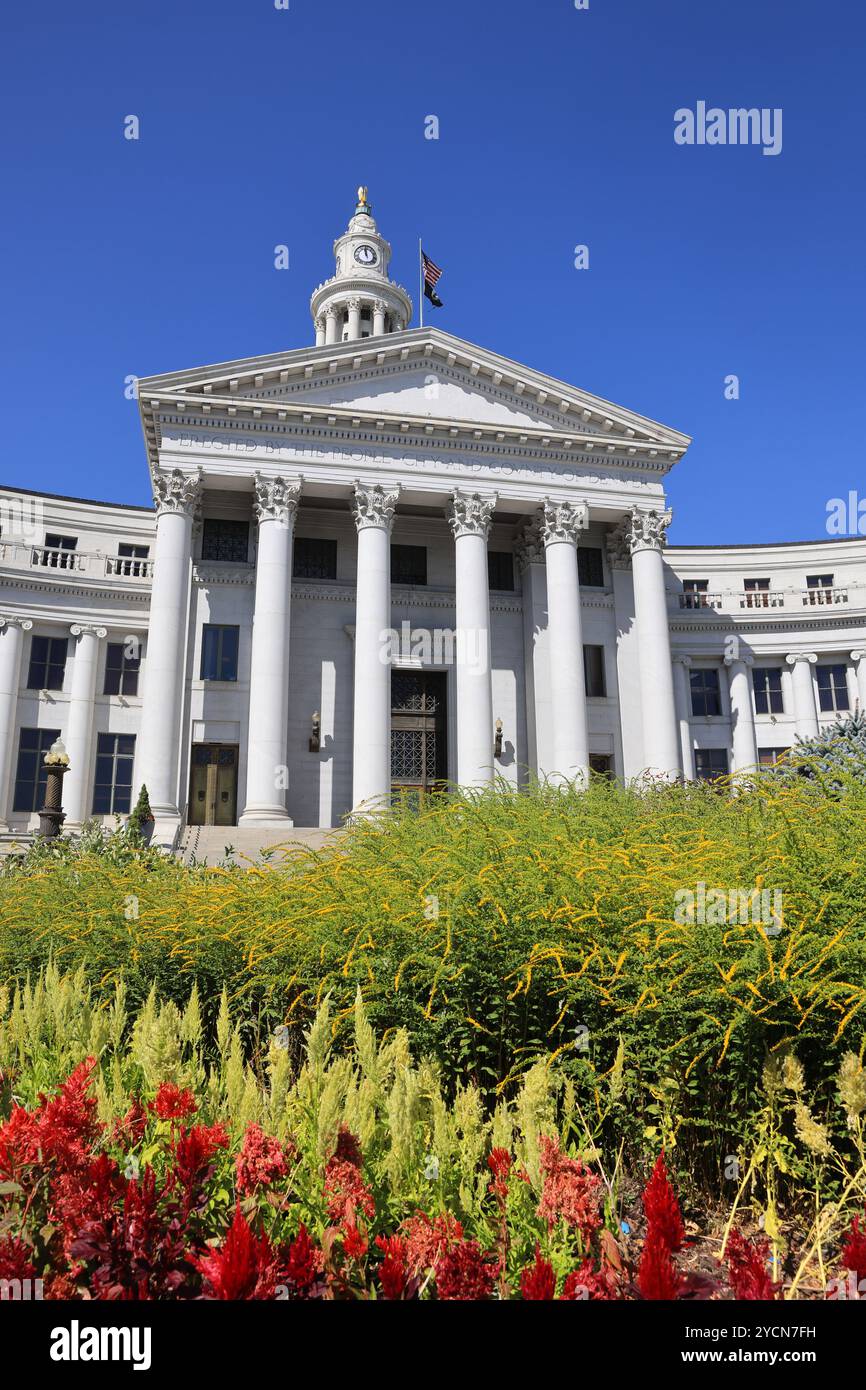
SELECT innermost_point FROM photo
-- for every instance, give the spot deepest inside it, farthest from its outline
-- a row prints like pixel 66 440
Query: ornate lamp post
pixel 52 815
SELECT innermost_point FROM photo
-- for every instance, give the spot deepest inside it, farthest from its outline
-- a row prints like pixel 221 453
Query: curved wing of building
pixel 391 561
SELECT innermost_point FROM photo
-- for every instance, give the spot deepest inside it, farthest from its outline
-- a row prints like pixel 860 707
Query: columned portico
pixel 12 632
pixel 79 728
pixel 561 523
pixel 373 511
pixel 805 708
pixel 275 506
pixel 646 535
pixel 682 701
pixel 745 743
pixel 469 516
pixel 176 497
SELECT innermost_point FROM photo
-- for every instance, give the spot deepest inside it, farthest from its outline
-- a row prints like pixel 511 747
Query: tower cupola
pixel 360 301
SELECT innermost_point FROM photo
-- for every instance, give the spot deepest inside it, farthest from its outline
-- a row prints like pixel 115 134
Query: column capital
pixel 176 491
pixel 793 657
pixel 373 506
pixel 331 310
pixel 379 306
pixel 528 546
pixel 646 528
pixel 471 513
pixel 276 498
pixel 88 630
pixel 562 521
pixel 12 620
pixel 319 323
pixel 746 659
pixel 353 304
pixel 858 655
pixel 679 660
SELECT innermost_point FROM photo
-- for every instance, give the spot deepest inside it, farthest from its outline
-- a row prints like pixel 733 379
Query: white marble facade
pixel 230 647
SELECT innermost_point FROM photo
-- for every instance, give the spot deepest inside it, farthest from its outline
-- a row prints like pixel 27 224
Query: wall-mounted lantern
pixel 497 747
pixel 315 736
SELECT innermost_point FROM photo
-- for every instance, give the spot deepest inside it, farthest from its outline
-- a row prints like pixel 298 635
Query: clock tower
pixel 360 301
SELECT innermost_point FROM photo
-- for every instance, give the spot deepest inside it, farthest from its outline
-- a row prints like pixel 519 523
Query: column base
pixel 273 816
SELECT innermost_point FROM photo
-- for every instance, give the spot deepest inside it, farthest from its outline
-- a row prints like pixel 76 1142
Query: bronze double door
pixel 419 737
pixel 213 784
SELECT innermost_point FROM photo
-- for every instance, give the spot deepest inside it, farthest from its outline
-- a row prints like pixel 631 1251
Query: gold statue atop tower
pixel 364 204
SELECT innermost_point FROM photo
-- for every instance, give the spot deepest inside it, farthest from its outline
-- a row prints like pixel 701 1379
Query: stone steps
pixel 207 844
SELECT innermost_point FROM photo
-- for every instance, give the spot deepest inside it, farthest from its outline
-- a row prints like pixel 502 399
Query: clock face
pixel 366 255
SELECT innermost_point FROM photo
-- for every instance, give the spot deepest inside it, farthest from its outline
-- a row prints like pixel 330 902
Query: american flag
pixel 432 272
pixel 432 276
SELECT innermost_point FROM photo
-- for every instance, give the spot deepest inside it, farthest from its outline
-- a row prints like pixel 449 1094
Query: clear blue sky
pixel 257 125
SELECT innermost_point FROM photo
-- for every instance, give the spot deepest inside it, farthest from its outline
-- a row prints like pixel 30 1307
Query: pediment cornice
pixel 272 389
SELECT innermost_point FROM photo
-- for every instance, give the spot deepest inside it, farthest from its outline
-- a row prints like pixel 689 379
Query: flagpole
pixel 421 280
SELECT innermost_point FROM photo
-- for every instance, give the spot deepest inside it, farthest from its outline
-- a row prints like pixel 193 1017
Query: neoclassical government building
pixel 394 559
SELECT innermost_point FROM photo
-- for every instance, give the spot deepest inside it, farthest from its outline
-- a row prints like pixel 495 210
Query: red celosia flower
pixel 194 1150
pixel 538 1281
pixel 19 1143
pixel 499 1163
pixel 171 1103
pixel 570 1190
pixel 303 1264
pixel 84 1194
pixel 346 1193
pixel 854 1251
pixel 747 1268
pixel 426 1239
pixel 242 1267
pixel 658 1277
pixel 261 1161
pixel 15 1261
pixel 354 1244
pixel 130 1130
pixel 662 1208
pixel 463 1273
pixel 393 1274
pixel 586 1283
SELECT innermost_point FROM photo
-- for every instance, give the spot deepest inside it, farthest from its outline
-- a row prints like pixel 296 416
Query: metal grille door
pixel 419 753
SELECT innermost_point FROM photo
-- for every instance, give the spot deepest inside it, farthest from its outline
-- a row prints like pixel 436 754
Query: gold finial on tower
pixel 364 204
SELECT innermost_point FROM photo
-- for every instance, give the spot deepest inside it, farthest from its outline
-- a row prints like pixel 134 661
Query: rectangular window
pixel 757 593
pixel 819 581
pixel 314 558
pixel 30 773
pixel 130 559
pixel 219 653
pixel 767 683
pixel 768 757
pixel 121 670
pixel 590 569
pixel 601 764
pixel 47 663
pixel 711 763
pixel 593 671
pixel 819 590
pixel 408 564
pixel 112 785
pixel 706 698
pixel 500 570
pixel 694 590
pixel 225 541
pixel 58 553
pixel 832 688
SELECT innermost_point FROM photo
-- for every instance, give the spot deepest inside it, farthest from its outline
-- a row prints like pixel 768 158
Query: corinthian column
pixel 176 497
pixel 561 524
pixel 469 516
pixel 275 506
pixel 859 659
pixel 79 727
pixel 683 705
pixel 536 650
pixel 12 632
pixel 805 709
pixel 646 535
pixel 745 743
pixel 373 511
